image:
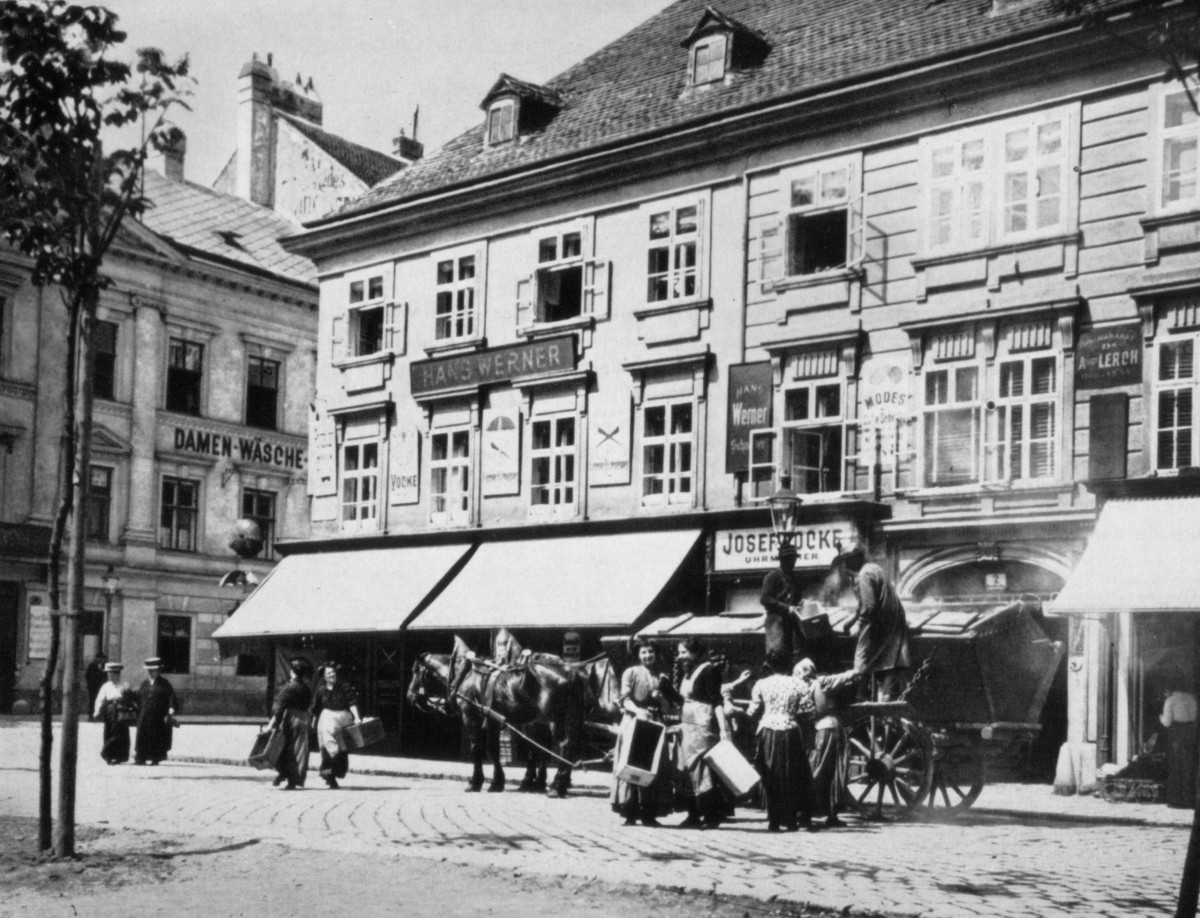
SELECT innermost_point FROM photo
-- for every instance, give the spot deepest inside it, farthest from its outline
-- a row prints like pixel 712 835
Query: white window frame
pixel 677 482
pixel 675 243
pixel 593 277
pixel 359 512
pixel 1162 135
pixel 464 320
pixel 716 64
pixel 773 450
pixel 1182 385
pixel 561 487
pixel 450 477
pixel 495 119
pixel 778 241
pixel 1001 409
pixel 931 413
pixel 975 164
pixel 368 292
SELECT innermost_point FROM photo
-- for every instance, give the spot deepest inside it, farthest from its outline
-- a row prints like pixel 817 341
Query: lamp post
pixel 785 511
pixel 110 585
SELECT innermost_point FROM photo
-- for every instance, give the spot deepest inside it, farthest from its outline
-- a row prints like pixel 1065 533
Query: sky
pixel 373 62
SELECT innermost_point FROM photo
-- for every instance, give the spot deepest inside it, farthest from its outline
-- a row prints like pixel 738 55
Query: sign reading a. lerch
pixel 1109 356
pixel 495 365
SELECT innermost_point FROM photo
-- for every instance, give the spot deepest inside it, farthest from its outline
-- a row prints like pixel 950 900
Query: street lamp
pixel 110 585
pixel 785 511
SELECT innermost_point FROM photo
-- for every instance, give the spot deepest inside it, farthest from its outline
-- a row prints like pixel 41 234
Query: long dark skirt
pixel 782 763
pixel 1181 765
pixel 116 740
pixel 153 739
pixel 293 761
pixel 827 767
pixel 650 802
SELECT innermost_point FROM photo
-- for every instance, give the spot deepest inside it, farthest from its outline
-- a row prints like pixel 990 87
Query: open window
pixel 568 283
pixel 824 229
pixel 808 446
pixel 372 323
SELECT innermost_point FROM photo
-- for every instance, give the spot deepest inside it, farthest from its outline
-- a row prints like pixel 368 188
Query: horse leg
pixel 474 731
pixel 493 742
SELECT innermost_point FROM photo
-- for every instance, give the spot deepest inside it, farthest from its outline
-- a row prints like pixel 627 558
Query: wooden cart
pixel 980 677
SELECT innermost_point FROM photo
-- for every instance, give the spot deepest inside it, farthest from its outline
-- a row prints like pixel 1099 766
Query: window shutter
pixel 395 330
pixel 856 230
pixel 526 288
pixel 770 252
pixel 338 337
pixel 595 289
pixel 701 235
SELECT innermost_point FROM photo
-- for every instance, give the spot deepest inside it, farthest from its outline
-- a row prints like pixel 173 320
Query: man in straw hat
pixel 780 598
pixel 157 703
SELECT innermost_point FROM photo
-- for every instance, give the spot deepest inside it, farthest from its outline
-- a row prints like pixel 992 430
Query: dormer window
pixel 719 44
pixel 501 122
pixel 708 59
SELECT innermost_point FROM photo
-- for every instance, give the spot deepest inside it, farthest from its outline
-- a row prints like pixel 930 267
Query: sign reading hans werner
pixel 750 392
pixel 241 447
pixel 495 365
pixel 757 549
pixel 1108 357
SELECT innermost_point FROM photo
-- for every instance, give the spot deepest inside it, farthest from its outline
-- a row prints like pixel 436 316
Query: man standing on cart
pixel 780 598
pixel 882 653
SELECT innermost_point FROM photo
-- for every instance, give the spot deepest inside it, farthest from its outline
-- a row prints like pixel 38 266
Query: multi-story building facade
pixel 935 264
pixel 203 385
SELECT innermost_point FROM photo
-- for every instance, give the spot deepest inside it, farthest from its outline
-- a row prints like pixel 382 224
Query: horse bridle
pixel 425 702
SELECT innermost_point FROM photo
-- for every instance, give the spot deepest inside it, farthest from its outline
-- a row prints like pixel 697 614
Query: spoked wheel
pixel 889 765
pixel 958 774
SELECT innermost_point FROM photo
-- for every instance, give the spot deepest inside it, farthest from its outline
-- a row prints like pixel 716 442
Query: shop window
pixel 185 376
pixel 360 486
pixel 450 478
pixel 1022 421
pixel 179 514
pixel 709 59
pixel 673 255
pixel 1179 141
pixel 952 425
pixel 1174 398
pixel 667 447
pixel 502 122
pixel 262 393
pixel 259 506
pixel 99 503
pixel 552 465
pixel 104 360
pixel 174 645
pixel 455 305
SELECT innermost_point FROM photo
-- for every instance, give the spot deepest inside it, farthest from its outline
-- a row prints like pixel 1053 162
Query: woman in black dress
pixel 335 707
pixel 290 714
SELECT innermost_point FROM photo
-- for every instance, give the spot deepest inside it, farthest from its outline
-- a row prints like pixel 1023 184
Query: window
pixel 185 374
pixel 708 59
pixel 807 448
pixel 673 255
pixel 456 298
pixel 952 418
pixel 1022 420
pixel 1174 397
pixel 824 222
pixel 998 183
pixel 179 515
pixel 502 121
pixel 99 504
pixel 360 485
pixel 450 477
pixel 175 643
pixel 560 277
pixel 1179 133
pixel 552 465
pixel 366 321
pixel 262 393
pixel 104 366
pixel 260 506
pixel 667 453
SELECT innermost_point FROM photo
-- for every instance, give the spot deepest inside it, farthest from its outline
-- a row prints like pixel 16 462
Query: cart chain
pixel 921 673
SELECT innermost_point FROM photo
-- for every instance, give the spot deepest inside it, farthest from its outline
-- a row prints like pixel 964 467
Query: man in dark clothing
pixel 882 651
pixel 780 596
pixel 156 716
pixel 93 678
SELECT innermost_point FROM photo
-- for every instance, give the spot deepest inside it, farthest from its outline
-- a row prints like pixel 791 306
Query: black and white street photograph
pixel 726 458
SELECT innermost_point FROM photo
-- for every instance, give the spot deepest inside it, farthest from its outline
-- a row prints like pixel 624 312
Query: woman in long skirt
pixel 1179 717
pixel 641 699
pixel 781 757
pixel 335 707
pixel 116 706
pixel 290 714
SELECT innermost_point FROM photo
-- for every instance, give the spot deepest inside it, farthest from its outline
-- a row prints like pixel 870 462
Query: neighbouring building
pixel 935 263
pixel 204 383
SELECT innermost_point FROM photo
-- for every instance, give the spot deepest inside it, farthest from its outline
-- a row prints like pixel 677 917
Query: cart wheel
pixel 889 765
pixel 958 774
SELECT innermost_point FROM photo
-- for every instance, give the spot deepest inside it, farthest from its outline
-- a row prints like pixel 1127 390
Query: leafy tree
pixel 62 200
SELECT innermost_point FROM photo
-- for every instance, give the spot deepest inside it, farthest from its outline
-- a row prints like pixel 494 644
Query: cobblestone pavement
pixel 988 863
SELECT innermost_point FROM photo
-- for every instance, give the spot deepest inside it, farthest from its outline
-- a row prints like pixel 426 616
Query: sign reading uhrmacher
pixel 1109 356
pixel 750 393
pixel 495 365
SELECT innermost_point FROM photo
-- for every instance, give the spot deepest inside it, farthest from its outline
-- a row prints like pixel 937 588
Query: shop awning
pixel 571 582
pixel 1143 556
pixel 338 592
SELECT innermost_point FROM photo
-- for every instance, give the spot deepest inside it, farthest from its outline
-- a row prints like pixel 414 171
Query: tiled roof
pixel 638 84
pixel 223 226
pixel 368 165
pixel 523 89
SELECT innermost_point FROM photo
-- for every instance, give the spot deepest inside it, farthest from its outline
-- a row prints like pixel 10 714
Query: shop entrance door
pixel 8 644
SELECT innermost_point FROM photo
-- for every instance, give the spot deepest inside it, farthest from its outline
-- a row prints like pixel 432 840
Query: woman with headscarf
pixel 116 706
pixel 702 724
pixel 335 707
pixel 780 756
pixel 290 714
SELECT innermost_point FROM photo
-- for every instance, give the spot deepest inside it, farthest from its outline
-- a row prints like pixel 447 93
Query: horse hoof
pixel 495 788
pixel 474 788
pixel 525 787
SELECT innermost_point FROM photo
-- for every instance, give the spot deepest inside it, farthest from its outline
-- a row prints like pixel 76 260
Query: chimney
pixel 406 149
pixel 256 132
pixel 173 154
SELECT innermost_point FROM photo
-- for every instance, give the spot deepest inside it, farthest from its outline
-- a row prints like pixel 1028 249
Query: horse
pixel 539 689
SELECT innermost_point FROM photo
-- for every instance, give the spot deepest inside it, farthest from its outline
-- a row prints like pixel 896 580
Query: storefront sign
pixel 501 364
pixel 885 406
pixel 757 549
pixel 252 448
pixel 404 471
pixel 38 628
pixel 501 459
pixel 608 445
pixel 1108 357
pixel 322 443
pixel 750 394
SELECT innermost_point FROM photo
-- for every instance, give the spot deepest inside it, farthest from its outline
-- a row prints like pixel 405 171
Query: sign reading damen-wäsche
pixel 495 365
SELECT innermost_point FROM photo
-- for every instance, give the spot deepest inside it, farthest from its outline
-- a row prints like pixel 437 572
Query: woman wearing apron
pixel 702 725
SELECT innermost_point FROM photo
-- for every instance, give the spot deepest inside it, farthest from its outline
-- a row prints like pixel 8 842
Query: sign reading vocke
pixel 495 365
pixel 750 392
pixel 1108 357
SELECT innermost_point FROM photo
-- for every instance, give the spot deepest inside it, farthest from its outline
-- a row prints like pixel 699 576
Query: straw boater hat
pixel 113 667
pixel 153 663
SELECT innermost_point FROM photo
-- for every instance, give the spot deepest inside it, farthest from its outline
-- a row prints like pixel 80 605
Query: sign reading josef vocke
pixel 1108 357
pixel 494 365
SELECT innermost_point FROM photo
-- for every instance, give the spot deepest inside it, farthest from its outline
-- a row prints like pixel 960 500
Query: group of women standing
pixel 152 709
pixel 332 707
